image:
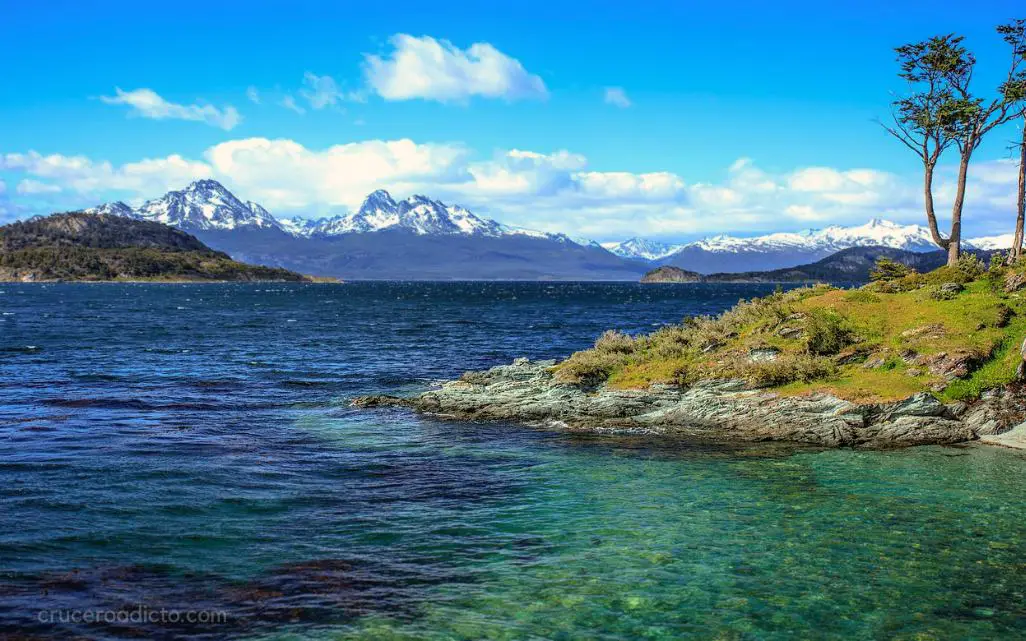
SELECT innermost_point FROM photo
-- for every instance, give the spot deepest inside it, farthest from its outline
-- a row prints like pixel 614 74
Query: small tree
pixel 887 269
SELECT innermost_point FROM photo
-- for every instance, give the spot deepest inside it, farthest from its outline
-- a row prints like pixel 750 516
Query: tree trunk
pixel 955 239
pixel 1016 252
pixel 931 214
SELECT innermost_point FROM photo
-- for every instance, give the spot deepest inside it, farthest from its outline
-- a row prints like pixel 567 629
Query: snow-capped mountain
pixel 116 208
pixel 415 238
pixel 298 227
pixel 641 248
pixel 417 214
pixel 203 205
pixel 877 232
pixel 1001 241
pixel 207 205
pixel 725 253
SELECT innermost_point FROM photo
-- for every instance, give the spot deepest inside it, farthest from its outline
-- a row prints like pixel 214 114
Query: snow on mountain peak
pixel 207 205
pixel 641 248
pixel 116 208
pixel 876 232
pixel 417 214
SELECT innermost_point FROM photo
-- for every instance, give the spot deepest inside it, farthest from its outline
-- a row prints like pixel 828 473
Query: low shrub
pixel 827 332
pixel 616 342
pixel 589 367
pixel 789 368
pixel 861 296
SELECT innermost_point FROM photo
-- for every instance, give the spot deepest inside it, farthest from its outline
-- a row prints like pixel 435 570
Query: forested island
pixel 102 247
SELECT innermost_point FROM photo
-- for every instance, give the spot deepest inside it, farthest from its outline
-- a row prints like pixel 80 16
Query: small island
pixel 909 359
pixel 671 274
pixel 79 246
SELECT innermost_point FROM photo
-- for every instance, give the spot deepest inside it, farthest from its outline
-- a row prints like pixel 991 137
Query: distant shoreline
pixel 312 281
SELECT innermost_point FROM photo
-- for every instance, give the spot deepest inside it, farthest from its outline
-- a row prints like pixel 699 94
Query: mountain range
pixel 775 251
pixel 421 238
pixel 416 238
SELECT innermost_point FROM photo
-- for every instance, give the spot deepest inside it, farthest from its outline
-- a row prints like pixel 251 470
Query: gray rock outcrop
pixel 526 392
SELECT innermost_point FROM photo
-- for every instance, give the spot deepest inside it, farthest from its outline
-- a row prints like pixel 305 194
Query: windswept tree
pixel 973 117
pixel 942 111
pixel 922 120
pixel 1016 251
pixel 1014 91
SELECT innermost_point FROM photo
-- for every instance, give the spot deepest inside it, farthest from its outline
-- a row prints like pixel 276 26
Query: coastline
pixel 163 281
pixel 526 392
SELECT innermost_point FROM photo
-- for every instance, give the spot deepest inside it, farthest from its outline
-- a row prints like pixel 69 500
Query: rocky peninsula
pixel 911 359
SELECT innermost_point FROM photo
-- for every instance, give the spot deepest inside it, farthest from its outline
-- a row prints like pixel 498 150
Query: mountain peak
pixel 642 248
pixel 206 184
pixel 116 208
pixel 378 200
pixel 202 205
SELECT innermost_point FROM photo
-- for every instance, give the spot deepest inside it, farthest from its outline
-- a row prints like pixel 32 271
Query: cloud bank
pixel 553 191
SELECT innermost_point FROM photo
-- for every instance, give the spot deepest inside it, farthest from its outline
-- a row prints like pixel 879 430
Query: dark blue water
pixel 191 448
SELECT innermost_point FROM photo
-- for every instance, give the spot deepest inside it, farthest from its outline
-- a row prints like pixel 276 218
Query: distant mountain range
pixel 420 238
pixel 416 238
pixel 852 265
pixel 775 251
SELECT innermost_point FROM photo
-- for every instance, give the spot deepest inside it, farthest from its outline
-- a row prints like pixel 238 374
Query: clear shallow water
pixel 190 447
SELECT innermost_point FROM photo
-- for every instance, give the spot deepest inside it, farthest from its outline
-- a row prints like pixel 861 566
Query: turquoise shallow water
pixel 190 447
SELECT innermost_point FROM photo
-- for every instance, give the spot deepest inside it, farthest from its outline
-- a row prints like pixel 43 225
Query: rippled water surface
pixel 190 447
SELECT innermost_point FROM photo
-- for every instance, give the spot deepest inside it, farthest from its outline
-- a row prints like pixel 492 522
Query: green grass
pixel 875 343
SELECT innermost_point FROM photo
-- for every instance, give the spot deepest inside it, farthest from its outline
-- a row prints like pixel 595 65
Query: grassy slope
pixel 884 341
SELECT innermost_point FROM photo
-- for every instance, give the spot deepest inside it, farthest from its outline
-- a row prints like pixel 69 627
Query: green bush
pixel 827 332
pixel 616 342
pixel 589 367
pixel 790 368
pixel 861 296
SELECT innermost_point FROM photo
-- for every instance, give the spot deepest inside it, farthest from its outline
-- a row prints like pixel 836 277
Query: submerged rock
pixel 526 392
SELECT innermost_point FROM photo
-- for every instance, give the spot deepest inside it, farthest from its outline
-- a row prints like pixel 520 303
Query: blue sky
pixel 770 89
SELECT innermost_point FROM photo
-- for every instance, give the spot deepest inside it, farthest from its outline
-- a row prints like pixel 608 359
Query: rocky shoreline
pixel 526 392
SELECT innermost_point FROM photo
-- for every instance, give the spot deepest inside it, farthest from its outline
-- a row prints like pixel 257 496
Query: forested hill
pixel 94 247
pixel 848 265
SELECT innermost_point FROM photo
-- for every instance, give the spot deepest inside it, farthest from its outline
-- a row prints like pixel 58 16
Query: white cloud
pixel 253 94
pixel 323 91
pixel 78 174
pixel 290 103
pixel 432 69
pixel 320 91
pixel 617 97
pixel 519 172
pixel 285 174
pixel 30 186
pixel 148 104
pixel 555 191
